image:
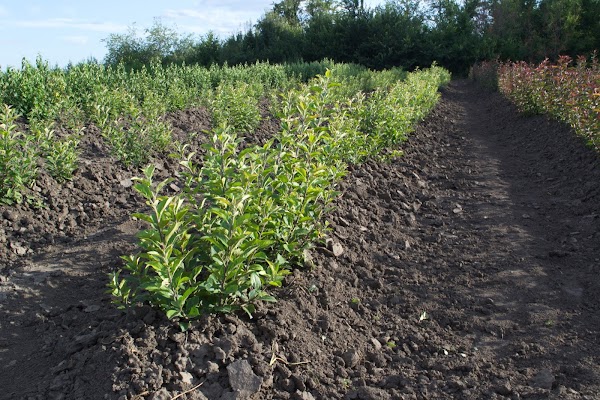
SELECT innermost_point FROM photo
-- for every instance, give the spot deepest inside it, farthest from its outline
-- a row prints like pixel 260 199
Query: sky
pixel 64 31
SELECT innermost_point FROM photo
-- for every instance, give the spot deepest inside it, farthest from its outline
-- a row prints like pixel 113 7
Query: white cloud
pixel 185 13
pixel 79 40
pixel 66 23
pixel 253 6
pixel 220 20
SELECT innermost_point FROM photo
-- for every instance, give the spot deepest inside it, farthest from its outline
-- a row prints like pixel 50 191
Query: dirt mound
pixel 468 268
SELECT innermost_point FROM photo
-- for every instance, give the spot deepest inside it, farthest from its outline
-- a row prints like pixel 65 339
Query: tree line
pixel 399 33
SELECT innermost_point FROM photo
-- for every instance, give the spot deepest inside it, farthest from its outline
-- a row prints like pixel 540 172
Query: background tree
pixel 400 33
pixel 124 48
pixel 354 7
pixel 289 10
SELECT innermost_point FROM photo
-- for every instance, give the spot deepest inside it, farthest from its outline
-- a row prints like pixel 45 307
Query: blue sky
pixel 72 30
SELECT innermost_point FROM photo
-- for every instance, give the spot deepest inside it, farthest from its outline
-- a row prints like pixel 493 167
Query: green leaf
pixel 255 281
pixel 268 299
pixel 184 325
pixel 249 309
pixel 185 295
pixel 172 313
pixel 149 171
pixel 143 217
pixel 144 190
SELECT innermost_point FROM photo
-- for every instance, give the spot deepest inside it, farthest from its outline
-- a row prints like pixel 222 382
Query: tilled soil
pixel 466 269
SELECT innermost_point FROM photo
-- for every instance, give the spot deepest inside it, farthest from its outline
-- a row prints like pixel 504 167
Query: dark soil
pixel 466 269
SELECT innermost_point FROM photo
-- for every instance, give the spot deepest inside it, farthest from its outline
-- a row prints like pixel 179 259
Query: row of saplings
pixel 244 218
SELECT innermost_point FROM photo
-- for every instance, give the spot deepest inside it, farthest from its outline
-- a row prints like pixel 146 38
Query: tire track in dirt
pixel 537 203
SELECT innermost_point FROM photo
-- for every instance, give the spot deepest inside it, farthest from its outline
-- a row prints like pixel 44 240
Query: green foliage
pixel 247 216
pixel 19 154
pixel 532 31
pixel 455 42
pixel 134 50
pixel 60 154
pixel 136 137
pixel 61 159
pixel 208 255
pixel 33 91
pixel 18 159
pixel 404 34
pixel 312 161
pixel 392 112
pixel 128 106
pixel 164 273
pixel 236 105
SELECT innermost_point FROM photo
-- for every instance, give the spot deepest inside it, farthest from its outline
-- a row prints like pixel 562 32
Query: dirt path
pixel 470 270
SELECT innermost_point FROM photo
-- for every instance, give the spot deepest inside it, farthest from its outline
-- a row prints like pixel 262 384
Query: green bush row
pixel 129 106
pixel 20 152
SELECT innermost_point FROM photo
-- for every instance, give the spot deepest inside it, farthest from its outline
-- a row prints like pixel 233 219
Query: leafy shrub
pixel 61 158
pixel 247 216
pixel 236 105
pixel 18 159
pixel 33 90
pixel 570 93
pixel 485 74
pixel 392 112
pixel 60 155
pixel 206 254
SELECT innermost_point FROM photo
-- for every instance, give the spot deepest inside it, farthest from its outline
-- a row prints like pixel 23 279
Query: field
pixel 457 261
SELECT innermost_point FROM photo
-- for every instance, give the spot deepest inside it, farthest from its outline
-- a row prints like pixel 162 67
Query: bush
pixel 485 74
pixel 18 159
pixel 570 93
pixel 246 217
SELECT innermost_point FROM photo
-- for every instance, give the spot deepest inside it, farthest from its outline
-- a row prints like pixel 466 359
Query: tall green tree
pixel 400 33
pixel 289 10
pixel 354 7
pixel 454 40
pixel 124 48
pixel 589 23
pixel 278 38
pixel 397 37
